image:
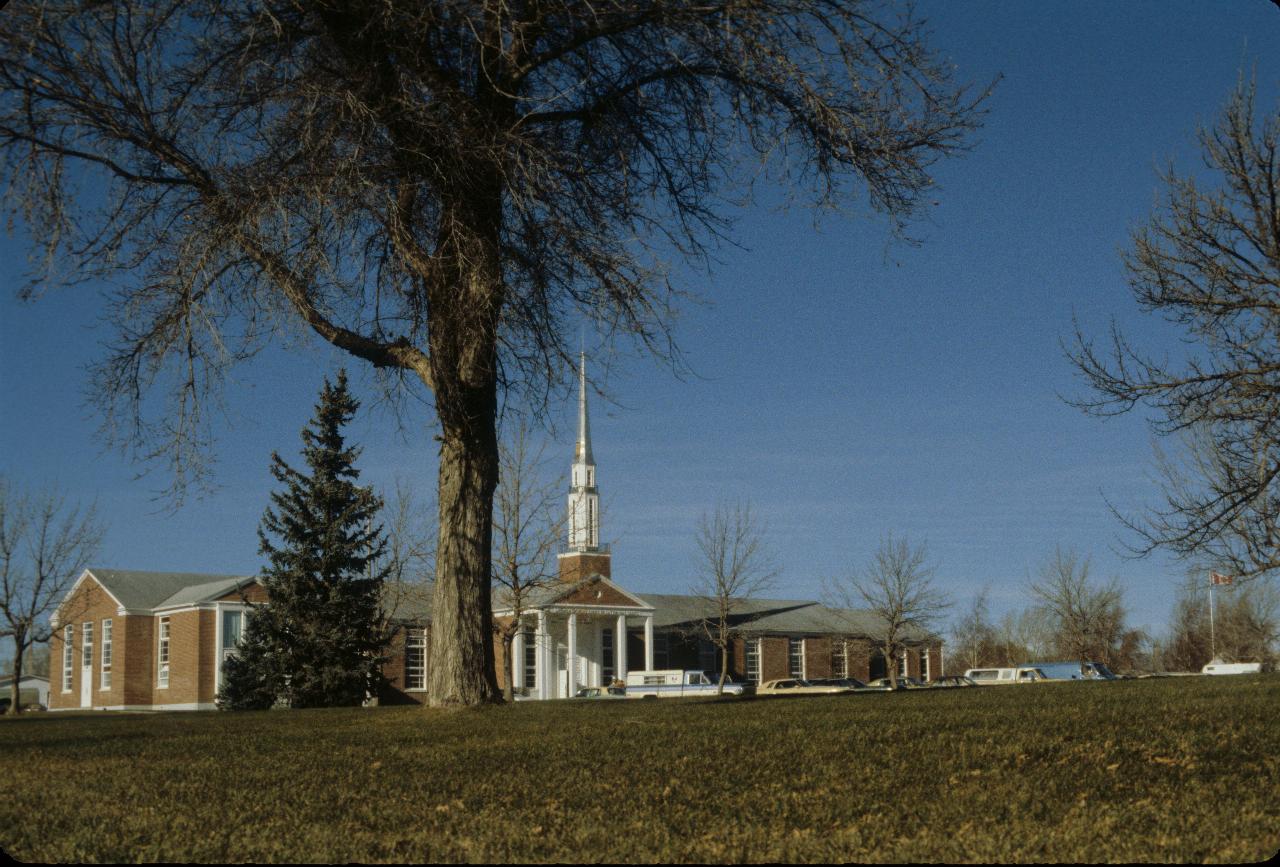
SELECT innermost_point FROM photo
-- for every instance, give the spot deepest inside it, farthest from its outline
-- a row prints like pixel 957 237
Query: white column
pixel 543 639
pixel 573 656
pixel 620 648
pixel 517 661
pixel 648 643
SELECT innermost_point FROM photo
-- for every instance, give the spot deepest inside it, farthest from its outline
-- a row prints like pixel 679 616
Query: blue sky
pixel 847 385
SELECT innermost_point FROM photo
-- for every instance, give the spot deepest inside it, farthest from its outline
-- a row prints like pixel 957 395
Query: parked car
pixel 1071 670
pixel 903 683
pixel 796 686
pixel 850 684
pixel 602 692
pixel 951 681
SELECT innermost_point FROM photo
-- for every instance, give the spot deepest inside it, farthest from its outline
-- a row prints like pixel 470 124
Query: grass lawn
pixel 1184 769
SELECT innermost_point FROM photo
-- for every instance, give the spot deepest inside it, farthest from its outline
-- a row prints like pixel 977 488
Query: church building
pixel 131 640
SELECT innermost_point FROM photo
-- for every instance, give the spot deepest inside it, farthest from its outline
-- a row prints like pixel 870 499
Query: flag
pixel 1220 579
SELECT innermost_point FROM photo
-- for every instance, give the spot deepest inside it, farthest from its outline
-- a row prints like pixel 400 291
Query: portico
pixel 579 639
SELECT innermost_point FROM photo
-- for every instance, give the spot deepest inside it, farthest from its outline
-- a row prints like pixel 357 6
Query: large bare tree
pixel 1086 618
pixel 897 588
pixel 45 543
pixel 528 524
pixel 1209 263
pixel 443 189
pixel 733 565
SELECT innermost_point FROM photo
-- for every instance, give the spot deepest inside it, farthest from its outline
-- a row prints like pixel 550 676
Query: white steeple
pixel 584 501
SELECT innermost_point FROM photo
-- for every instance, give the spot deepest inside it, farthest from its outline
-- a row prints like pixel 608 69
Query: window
pixel 232 628
pixel 106 655
pixel 530 660
pixel 415 659
pixel 795 656
pixel 86 646
pixel 752 646
pixel 162 650
pixel 68 657
pixel 606 655
pixel 902 663
pixel 661 650
pixel 707 657
pixel 924 664
pixel 839 658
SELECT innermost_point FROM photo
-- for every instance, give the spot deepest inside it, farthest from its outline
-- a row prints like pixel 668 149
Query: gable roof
pixel 145 590
pixel 206 592
pixel 558 592
pixel 778 616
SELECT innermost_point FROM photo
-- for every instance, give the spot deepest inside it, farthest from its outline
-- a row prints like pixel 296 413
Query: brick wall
pixel 575 567
pixel 774 662
pixel 817 657
pixel 89 603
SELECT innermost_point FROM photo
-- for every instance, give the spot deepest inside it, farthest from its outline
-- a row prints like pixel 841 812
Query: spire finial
pixel 582 454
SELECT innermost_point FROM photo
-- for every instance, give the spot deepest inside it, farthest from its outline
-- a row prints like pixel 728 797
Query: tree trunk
pixel 15 690
pixel 462 664
pixel 892 663
pixel 508 666
pixel 463 335
pixel 724 666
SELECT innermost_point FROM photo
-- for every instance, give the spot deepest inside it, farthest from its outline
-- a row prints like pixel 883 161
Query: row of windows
pixel 86 653
pixel 796 660
pixel 232 623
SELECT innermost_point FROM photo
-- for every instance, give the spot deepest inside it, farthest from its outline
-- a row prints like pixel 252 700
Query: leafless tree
pixel 1209 262
pixel 528 523
pixel 974 635
pixel 409 553
pixel 45 543
pixel 733 564
pixel 897 588
pixel 1087 619
pixel 443 189
pixel 1245 629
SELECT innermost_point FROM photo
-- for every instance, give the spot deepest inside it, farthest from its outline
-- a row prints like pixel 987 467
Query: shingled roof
pixel 777 616
pixel 146 590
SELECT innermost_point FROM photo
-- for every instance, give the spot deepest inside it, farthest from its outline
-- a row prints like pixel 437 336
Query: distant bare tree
pixel 1087 619
pixel 45 543
pixel 974 635
pixel 1209 262
pixel 528 525
pixel 1246 624
pixel 409 554
pixel 733 565
pixel 897 588
pixel 444 190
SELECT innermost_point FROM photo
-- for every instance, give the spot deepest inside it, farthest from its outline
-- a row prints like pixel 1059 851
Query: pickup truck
pixel 674 683
pixel 1005 676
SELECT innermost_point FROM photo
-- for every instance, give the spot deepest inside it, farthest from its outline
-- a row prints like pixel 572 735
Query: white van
pixel 674 683
pixel 1003 676
pixel 1232 668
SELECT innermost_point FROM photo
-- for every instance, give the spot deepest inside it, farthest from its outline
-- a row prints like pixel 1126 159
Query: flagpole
pixel 1213 641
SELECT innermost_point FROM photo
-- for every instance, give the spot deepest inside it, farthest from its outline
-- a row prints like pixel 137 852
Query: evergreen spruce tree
pixel 319 639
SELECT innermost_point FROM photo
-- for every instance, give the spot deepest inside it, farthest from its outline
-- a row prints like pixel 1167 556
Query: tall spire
pixel 582 452
pixel 584 501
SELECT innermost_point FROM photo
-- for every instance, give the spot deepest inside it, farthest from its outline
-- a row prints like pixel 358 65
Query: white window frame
pixel 163 640
pixel 104 655
pixel 792 643
pixel 68 656
pixel 415 641
pixel 86 645
pixel 924 664
pixel 902 663
pixel 751 650
pixel 529 663
pixel 840 652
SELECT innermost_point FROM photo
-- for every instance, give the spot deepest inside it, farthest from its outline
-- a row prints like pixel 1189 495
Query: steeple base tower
pixel 578 565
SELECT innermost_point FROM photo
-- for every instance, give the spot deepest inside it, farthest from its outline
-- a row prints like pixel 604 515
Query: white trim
pixel 54 620
pixel 106 641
